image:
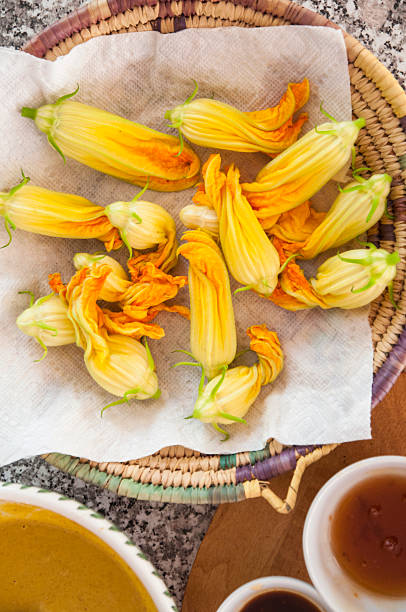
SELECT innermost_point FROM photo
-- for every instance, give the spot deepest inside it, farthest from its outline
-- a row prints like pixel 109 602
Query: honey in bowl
pixel 280 600
pixel 52 564
pixel 368 534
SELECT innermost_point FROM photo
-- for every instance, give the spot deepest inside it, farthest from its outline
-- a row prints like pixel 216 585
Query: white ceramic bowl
pixel 335 586
pixel 248 591
pixel 102 528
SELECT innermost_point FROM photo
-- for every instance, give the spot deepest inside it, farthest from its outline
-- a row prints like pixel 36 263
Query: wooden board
pixel 249 539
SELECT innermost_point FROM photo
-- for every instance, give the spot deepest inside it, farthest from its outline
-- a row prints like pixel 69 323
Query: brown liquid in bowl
pixel 368 534
pixel 280 601
pixel 51 564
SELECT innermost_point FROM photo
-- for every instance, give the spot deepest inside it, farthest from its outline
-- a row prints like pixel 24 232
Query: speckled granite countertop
pixel 170 533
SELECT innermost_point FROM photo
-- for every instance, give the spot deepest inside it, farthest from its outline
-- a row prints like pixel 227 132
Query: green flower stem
pixel 28 112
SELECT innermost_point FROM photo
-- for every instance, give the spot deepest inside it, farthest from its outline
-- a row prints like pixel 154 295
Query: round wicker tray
pixel 176 474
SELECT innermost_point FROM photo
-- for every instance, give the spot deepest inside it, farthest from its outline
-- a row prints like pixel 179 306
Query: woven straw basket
pixel 177 474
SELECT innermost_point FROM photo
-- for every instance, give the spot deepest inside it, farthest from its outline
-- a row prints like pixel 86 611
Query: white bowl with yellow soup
pixel 57 555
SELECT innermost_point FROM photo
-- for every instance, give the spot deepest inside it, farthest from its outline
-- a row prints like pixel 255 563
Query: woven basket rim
pixel 107 16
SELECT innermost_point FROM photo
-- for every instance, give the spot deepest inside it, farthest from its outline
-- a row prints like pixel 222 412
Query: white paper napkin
pixel 323 394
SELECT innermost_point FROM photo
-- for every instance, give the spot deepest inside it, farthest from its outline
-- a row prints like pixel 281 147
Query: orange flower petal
pixel 121 323
pixel 272 118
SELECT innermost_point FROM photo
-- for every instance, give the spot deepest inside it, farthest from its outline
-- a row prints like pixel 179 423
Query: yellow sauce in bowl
pixel 48 563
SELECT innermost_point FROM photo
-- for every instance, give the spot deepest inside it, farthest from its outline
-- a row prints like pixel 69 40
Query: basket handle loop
pixel 286 505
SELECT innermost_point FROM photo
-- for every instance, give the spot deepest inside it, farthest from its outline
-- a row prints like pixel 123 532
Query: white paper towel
pixel 323 394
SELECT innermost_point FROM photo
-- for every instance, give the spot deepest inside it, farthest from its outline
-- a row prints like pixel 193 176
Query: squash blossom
pixel 140 301
pixel 357 208
pixel 200 217
pixel 213 339
pixel 116 146
pixel 355 278
pixel 302 170
pixel 120 364
pixel 228 397
pixel 51 213
pixel 210 123
pixel 251 258
pixel 46 320
pixel 145 225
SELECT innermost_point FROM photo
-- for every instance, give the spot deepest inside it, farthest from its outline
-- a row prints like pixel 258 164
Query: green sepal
pixel 182 143
pixel 44 298
pixel 66 96
pixel 374 206
pixel 186 363
pixel 122 400
pixel 150 358
pixel 371 245
pixel 137 197
pixel 218 384
pixel 391 298
pixel 369 284
pixel 24 181
pixel 222 431
pixel 387 213
pixel 240 289
pixel 231 417
pixel 183 351
pixel 193 94
pixel 281 269
pixel 124 238
pixel 42 325
pixel 8 225
pixel 366 261
pixel 136 217
pixel 326 114
pixel 53 144
pixel 32 297
pixel 44 354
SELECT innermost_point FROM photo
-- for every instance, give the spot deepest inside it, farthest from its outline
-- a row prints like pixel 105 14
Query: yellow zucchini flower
pixel 210 123
pixel 250 256
pixel 355 278
pixel 120 364
pixel 200 217
pixel 357 208
pixel 145 225
pixel 140 301
pixel 51 213
pixel 227 398
pixel 46 320
pixel 113 145
pixel 213 338
pixel 302 170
